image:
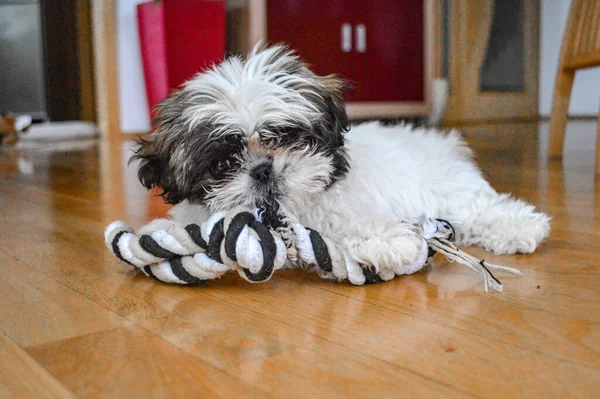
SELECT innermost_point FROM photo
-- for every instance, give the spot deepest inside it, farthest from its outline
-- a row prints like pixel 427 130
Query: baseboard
pixel 573 117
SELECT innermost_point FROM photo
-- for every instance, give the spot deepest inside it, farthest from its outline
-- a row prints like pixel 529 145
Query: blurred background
pixel 450 62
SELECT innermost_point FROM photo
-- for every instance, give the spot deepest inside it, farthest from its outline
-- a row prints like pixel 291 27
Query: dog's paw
pixel 522 235
pixel 505 226
pixel 384 249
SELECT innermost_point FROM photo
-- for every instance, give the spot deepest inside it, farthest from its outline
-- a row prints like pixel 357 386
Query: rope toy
pixel 240 240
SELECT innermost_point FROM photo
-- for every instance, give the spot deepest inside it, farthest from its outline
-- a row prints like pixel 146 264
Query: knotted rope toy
pixel 240 240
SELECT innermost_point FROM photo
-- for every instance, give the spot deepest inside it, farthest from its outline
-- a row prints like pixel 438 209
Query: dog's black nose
pixel 262 172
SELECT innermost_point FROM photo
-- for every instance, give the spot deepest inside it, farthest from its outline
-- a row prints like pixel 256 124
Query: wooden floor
pixel 74 321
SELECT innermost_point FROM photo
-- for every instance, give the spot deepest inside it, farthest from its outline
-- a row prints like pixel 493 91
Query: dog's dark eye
pixel 289 135
pixel 289 132
pixel 221 168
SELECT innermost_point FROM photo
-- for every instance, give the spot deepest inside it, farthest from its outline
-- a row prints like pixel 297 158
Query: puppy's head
pixel 254 131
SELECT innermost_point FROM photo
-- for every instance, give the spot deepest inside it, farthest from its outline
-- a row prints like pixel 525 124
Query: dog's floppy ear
pixel 335 123
pixel 333 94
pixel 154 151
pixel 154 166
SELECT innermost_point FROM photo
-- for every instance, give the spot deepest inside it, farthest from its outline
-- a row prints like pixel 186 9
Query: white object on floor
pixel 53 146
pixel 60 131
pixel 22 122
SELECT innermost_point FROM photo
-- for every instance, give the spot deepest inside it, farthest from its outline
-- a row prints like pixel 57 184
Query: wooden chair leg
pixel 560 109
pixel 598 146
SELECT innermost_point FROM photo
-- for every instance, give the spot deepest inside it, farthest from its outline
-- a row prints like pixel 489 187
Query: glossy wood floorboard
pixel 74 321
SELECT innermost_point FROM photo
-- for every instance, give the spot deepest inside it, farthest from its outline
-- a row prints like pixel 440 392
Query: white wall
pixel 133 108
pixel 585 98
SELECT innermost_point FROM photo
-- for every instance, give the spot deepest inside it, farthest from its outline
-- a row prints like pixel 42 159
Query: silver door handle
pixel 361 38
pixel 346 38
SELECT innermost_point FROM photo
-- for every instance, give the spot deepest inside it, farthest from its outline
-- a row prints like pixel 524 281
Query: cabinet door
pixel 383 60
pixel 389 66
pixel 314 29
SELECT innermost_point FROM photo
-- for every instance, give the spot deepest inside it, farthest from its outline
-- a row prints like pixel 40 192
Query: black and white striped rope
pixel 193 254
pixel 238 240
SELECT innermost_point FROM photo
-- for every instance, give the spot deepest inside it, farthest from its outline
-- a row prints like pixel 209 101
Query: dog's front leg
pixel 374 252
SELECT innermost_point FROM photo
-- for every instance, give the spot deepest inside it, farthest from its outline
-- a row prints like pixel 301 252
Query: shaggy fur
pixel 266 130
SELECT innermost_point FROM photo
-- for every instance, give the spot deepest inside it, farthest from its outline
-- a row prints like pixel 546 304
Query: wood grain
pixel 597 159
pixel 106 77
pixel 37 309
pixel 352 374
pixel 100 328
pixel 22 377
pixel 130 362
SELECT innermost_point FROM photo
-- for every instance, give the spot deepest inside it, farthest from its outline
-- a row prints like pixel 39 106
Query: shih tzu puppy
pixel 265 130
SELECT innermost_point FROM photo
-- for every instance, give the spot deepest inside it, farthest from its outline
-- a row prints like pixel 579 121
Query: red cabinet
pixel 377 45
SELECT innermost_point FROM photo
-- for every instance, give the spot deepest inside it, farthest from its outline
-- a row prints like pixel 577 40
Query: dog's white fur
pixel 401 172
pixel 395 172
